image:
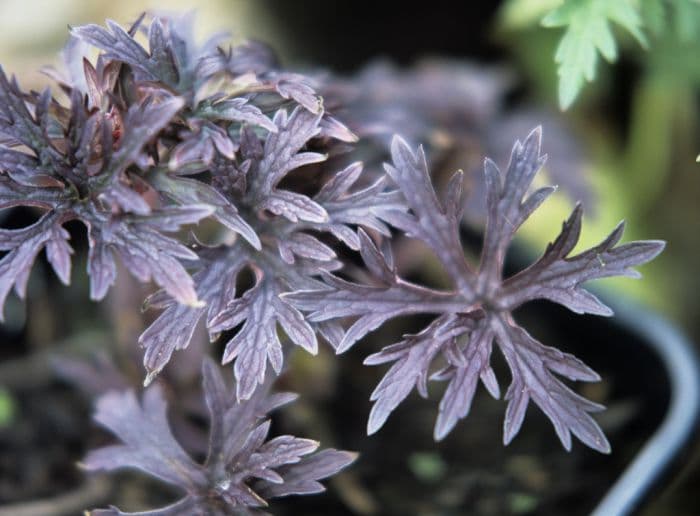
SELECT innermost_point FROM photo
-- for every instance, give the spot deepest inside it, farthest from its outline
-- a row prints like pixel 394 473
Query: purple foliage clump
pixel 225 180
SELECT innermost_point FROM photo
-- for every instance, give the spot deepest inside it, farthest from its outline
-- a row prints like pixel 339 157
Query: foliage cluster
pixel 217 175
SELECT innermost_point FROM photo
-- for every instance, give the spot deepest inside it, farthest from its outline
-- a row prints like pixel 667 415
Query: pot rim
pixel 659 455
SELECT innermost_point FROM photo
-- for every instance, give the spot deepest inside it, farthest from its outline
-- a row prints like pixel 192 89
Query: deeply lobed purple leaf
pixel 145 251
pixel 174 328
pixel 120 45
pixel 558 277
pixel 148 443
pixel 243 468
pixel 24 245
pixel 530 364
pixel 435 224
pixel 260 309
pixel 481 297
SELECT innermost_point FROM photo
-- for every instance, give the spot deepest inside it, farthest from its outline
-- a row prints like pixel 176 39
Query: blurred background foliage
pixel 636 123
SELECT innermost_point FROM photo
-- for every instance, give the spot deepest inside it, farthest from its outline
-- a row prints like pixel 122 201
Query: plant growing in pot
pixel 154 139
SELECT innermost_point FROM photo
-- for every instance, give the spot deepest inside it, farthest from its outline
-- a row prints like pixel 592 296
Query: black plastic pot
pixel 646 473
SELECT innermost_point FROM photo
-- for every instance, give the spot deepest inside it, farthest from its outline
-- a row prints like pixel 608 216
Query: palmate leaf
pixel 368 208
pixel 434 222
pixel 146 252
pixel 118 44
pixel 243 468
pixel 281 155
pixel 476 314
pixel 371 304
pixel 24 245
pixel 187 191
pixel 260 309
pixel 588 33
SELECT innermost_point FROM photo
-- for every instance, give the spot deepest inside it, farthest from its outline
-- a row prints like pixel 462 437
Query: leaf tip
pixel 150 376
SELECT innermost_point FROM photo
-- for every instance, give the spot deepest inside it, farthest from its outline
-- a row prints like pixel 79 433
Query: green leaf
pixel 8 408
pixel 654 14
pixel 686 19
pixel 522 14
pixel 588 32
pixel 427 466
pixel 676 18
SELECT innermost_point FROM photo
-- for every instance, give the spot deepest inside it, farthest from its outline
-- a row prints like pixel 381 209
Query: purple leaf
pixel 119 45
pixel 148 443
pixel 174 328
pixel 558 277
pixel 243 468
pixel 435 224
pixel 476 311
pixel 372 304
pixel 188 191
pixel 297 87
pixel 239 110
pixel 260 309
pixel 24 245
pixel 281 152
pixel 144 250
pixel 530 365
pixel 368 207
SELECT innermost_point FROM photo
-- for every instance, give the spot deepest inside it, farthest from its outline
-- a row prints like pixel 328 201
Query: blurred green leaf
pixel 588 33
pixel 427 466
pixel 653 14
pixel 521 503
pixel 686 19
pixel 7 408
pixel 521 14
pixel 681 18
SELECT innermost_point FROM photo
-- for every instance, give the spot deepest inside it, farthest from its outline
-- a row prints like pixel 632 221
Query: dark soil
pixel 39 449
